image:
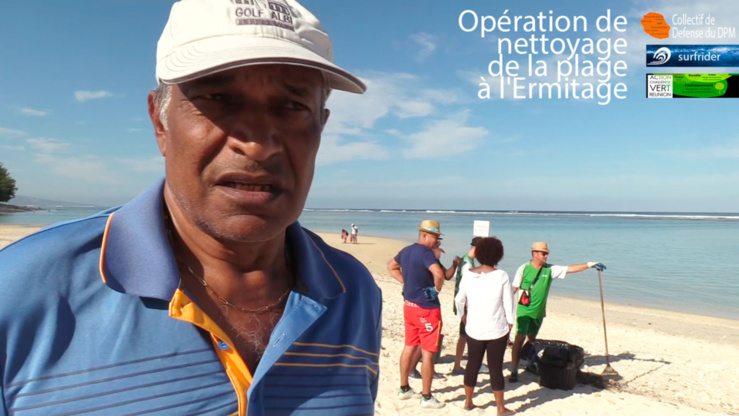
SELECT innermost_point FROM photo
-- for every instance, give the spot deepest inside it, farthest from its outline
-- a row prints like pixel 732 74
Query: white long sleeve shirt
pixel 490 307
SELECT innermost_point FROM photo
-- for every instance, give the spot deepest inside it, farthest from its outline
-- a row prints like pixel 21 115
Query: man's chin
pixel 246 228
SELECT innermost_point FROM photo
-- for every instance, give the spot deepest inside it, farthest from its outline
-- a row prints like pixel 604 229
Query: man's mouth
pixel 250 187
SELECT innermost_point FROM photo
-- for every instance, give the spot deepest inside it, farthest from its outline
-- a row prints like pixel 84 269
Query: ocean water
pixel 49 215
pixel 673 261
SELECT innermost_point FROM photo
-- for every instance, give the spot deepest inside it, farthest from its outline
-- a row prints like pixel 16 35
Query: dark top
pixel 415 261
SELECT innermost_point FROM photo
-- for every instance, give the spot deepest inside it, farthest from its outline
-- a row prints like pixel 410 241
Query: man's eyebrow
pixel 300 91
pixel 213 81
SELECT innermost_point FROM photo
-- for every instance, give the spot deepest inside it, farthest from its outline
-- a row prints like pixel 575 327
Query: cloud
pixel 57 155
pixel 45 146
pixel 427 43
pixel 443 138
pixel 645 184
pixel 6 147
pixel 352 133
pixel 477 79
pixel 335 150
pixel 11 132
pixel 85 168
pixel 395 187
pixel 727 151
pixel 400 95
pixel 83 96
pixel 152 164
pixel 31 112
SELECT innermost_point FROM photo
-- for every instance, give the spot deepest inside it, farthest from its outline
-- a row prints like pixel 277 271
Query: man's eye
pixel 219 98
pixel 295 106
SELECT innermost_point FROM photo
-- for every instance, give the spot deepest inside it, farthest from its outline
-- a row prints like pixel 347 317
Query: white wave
pixel 675 216
pixel 672 216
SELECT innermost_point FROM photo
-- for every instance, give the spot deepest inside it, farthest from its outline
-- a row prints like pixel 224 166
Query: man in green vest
pixel 534 279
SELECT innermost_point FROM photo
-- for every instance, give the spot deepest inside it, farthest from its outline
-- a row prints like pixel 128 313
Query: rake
pixel 609 372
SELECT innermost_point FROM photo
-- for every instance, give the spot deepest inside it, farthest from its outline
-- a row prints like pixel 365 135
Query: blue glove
pixel 431 293
pixel 598 266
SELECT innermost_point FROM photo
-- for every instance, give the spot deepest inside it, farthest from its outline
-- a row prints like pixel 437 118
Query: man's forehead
pixel 286 75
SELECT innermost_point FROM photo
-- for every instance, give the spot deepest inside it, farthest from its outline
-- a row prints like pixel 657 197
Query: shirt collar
pixel 137 258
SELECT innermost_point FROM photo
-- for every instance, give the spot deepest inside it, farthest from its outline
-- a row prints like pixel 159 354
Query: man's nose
pixel 254 134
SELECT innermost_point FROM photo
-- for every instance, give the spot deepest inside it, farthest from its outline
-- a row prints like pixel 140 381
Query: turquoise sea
pixel 673 261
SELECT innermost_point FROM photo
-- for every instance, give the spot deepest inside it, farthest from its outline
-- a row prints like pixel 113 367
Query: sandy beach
pixel 670 363
pixel 12 232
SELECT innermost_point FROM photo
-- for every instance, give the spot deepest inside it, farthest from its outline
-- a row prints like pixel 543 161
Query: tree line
pixel 7 185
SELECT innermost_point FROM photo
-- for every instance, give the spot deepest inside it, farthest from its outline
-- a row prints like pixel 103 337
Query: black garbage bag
pixel 555 362
pixel 553 353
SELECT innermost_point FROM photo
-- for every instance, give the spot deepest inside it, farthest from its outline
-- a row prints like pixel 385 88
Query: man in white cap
pixel 355 233
pixel 534 278
pixel 418 269
pixel 203 295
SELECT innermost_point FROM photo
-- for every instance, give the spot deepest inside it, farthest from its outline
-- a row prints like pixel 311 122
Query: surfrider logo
pixel 661 56
pixel 693 55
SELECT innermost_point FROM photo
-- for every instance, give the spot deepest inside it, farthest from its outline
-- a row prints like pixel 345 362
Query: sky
pixel 74 124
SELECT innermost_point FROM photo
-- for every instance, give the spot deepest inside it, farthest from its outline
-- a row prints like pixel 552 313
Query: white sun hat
pixel 203 37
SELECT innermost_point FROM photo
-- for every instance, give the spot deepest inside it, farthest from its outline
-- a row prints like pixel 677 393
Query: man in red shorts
pixel 417 267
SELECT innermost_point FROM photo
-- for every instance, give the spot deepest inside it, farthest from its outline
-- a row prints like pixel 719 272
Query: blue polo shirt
pixel 92 321
pixel 415 261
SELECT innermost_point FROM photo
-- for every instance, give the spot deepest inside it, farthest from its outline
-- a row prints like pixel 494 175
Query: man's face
pixel 541 256
pixel 430 240
pixel 240 148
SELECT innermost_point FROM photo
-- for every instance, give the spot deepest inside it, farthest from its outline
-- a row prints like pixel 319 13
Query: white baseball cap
pixel 203 37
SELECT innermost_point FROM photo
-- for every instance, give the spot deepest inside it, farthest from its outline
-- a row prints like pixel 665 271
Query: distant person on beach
pixel 467 262
pixel 534 279
pixel 205 286
pixel 355 232
pixel 418 269
pixel 344 235
pixel 485 305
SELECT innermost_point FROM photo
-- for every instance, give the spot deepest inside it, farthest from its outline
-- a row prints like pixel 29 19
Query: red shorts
pixel 422 326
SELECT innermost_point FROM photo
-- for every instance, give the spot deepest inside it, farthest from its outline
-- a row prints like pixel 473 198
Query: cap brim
pixel 208 56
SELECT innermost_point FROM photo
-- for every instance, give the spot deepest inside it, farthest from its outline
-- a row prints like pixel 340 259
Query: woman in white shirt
pixel 488 318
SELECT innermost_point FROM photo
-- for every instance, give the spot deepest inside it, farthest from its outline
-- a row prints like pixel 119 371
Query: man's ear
pixel 159 131
pixel 324 117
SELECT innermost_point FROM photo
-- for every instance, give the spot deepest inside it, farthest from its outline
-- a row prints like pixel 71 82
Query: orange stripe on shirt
pixel 343 288
pixel 181 307
pixel 102 247
pixel 326 365
pixel 305 344
pixel 310 354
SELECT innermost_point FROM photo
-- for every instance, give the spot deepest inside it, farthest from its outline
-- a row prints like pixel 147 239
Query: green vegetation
pixel 7 185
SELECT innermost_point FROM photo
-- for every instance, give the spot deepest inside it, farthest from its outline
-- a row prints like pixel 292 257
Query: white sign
pixel 481 229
